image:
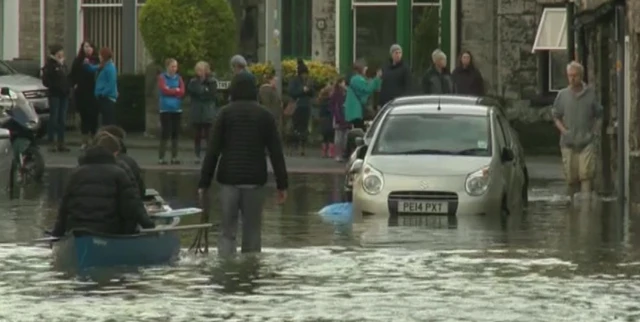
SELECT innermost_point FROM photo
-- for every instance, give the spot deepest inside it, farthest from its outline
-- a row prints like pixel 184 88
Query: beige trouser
pixel 579 167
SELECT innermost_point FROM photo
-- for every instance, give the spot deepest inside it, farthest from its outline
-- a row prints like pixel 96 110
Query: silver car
pixel 31 87
pixel 428 156
pixel 6 159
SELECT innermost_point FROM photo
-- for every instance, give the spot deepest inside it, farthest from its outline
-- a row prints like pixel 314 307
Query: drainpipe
pixel 571 34
pixel 620 99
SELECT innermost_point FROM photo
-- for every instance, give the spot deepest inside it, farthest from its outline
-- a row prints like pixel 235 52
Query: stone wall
pixel 29 29
pixel 323 32
pixel 500 34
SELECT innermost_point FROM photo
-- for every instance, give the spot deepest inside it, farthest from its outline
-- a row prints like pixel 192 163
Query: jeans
pixel 169 129
pixel 87 107
pixel 57 118
pixel 107 111
pixel 246 203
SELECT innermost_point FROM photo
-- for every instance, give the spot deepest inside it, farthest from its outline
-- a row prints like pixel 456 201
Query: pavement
pixel 144 150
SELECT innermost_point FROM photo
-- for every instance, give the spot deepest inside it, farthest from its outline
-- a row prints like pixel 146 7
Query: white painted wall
pixel 10 32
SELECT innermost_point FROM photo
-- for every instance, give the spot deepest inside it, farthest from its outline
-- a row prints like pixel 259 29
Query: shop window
pixel 425 24
pixel 375 32
pixel 557 70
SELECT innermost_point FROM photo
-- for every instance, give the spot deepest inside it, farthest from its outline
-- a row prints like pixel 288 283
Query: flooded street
pixel 556 263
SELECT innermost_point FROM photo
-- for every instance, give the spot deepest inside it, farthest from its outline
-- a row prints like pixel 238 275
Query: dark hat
pixel 302 68
pixel 54 49
pixel 243 87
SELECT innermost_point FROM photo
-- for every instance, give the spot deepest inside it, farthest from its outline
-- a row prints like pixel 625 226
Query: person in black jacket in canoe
pixel 241 133
pixel 100 197
pixel 396 77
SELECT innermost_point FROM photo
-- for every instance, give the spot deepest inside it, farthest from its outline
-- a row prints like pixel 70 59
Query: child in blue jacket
pixel 172 90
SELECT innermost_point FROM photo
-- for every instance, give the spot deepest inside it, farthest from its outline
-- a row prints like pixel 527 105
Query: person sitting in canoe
pixel 99 196
pixel 120 134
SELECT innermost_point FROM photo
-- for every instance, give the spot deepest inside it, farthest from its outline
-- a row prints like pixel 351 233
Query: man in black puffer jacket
pixel 242 131
pixel 100 196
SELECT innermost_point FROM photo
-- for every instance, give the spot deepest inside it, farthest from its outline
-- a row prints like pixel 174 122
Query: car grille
pixel 395 196
pixel 42 93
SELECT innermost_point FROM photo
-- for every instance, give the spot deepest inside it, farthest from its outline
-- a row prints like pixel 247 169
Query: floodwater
pixel 556 263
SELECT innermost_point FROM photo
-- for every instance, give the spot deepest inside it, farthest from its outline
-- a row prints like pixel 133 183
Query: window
pixel 6 70
pixel 375 31
pixel 425 24
pixel 434 134
pixel 296 28
pixel 551 44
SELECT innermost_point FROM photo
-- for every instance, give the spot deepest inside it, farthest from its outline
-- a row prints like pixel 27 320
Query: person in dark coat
pixel 100 196
pixel 301 90
pixel 467 78
pixel 326 122
pixel 396 77
pixel 55 77
pixel 437 80
pixel 132 164
pixel 202 89
pixel 84 84
pixel 241 133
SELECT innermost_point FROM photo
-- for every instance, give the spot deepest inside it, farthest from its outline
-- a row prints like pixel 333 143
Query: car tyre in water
pixel 504 212
pixel 33 168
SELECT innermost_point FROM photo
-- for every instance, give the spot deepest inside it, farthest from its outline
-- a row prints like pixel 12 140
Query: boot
pixel 323 151
pixel 62 147
pixel 332 150
pixel 161 152
pixel 174 152
pixel 53 147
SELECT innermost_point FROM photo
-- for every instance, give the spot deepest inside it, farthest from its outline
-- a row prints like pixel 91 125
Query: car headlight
pixel 372 181
pixel 477 182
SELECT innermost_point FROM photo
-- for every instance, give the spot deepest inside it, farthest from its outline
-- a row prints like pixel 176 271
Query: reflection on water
pixel 560 262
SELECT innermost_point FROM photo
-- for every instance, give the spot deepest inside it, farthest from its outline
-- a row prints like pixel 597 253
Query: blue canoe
pixel 81 250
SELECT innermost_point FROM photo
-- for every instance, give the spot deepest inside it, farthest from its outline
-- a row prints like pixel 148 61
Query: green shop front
pixel 367 29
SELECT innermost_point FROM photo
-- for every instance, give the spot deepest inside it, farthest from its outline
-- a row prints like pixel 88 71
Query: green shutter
pixel 345 36
pixel 403 27
pixel 445 28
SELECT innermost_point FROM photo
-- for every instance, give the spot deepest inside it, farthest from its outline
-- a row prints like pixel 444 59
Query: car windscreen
pixel 6 70
pixel 434 134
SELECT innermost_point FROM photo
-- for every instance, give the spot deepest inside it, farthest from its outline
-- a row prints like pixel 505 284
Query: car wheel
pixel 504 212
pixel 525 188
pixel 34 165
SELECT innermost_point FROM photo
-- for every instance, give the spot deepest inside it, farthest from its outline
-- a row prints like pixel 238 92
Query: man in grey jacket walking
pixel 576 113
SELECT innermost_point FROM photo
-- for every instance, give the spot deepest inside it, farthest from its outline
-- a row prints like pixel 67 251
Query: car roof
pixel 449 104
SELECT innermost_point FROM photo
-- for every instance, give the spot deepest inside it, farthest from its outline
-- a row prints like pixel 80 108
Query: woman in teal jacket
pixel 358 92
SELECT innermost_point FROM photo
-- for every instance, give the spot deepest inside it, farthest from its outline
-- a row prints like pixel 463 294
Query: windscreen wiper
pixel 425 151
pixel 473 151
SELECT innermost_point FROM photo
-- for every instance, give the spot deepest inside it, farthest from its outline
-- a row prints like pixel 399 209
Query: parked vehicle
pixel 18 116
pixel 6 160
pixel 438 156
pixel 32 89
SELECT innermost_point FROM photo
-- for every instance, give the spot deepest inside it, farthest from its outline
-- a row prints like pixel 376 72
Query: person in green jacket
pixel 202 89
pixel 358 92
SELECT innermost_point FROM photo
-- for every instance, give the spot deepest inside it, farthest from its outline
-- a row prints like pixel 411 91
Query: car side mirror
pixel 356 166
pixel 5 91
pixel 359 141
pixel 5 134
pixel 507 155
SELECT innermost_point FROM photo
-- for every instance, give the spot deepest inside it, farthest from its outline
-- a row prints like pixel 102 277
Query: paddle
pixel 176 213
pixel 185 227
pixel 49 239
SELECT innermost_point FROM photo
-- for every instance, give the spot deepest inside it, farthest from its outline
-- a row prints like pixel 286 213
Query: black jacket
pixel 134 167
pixel 241 133
pixel 100 197
pixel 396 82
pixel 82 77
pixel 437 83
pixel 55 78
pixel 468 81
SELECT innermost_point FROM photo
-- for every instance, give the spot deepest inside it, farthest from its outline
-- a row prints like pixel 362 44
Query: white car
pixel 438 156
pixel 6 159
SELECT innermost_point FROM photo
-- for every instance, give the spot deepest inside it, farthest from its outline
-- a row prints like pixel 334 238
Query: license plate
pixel 423 207
pixel 422 221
